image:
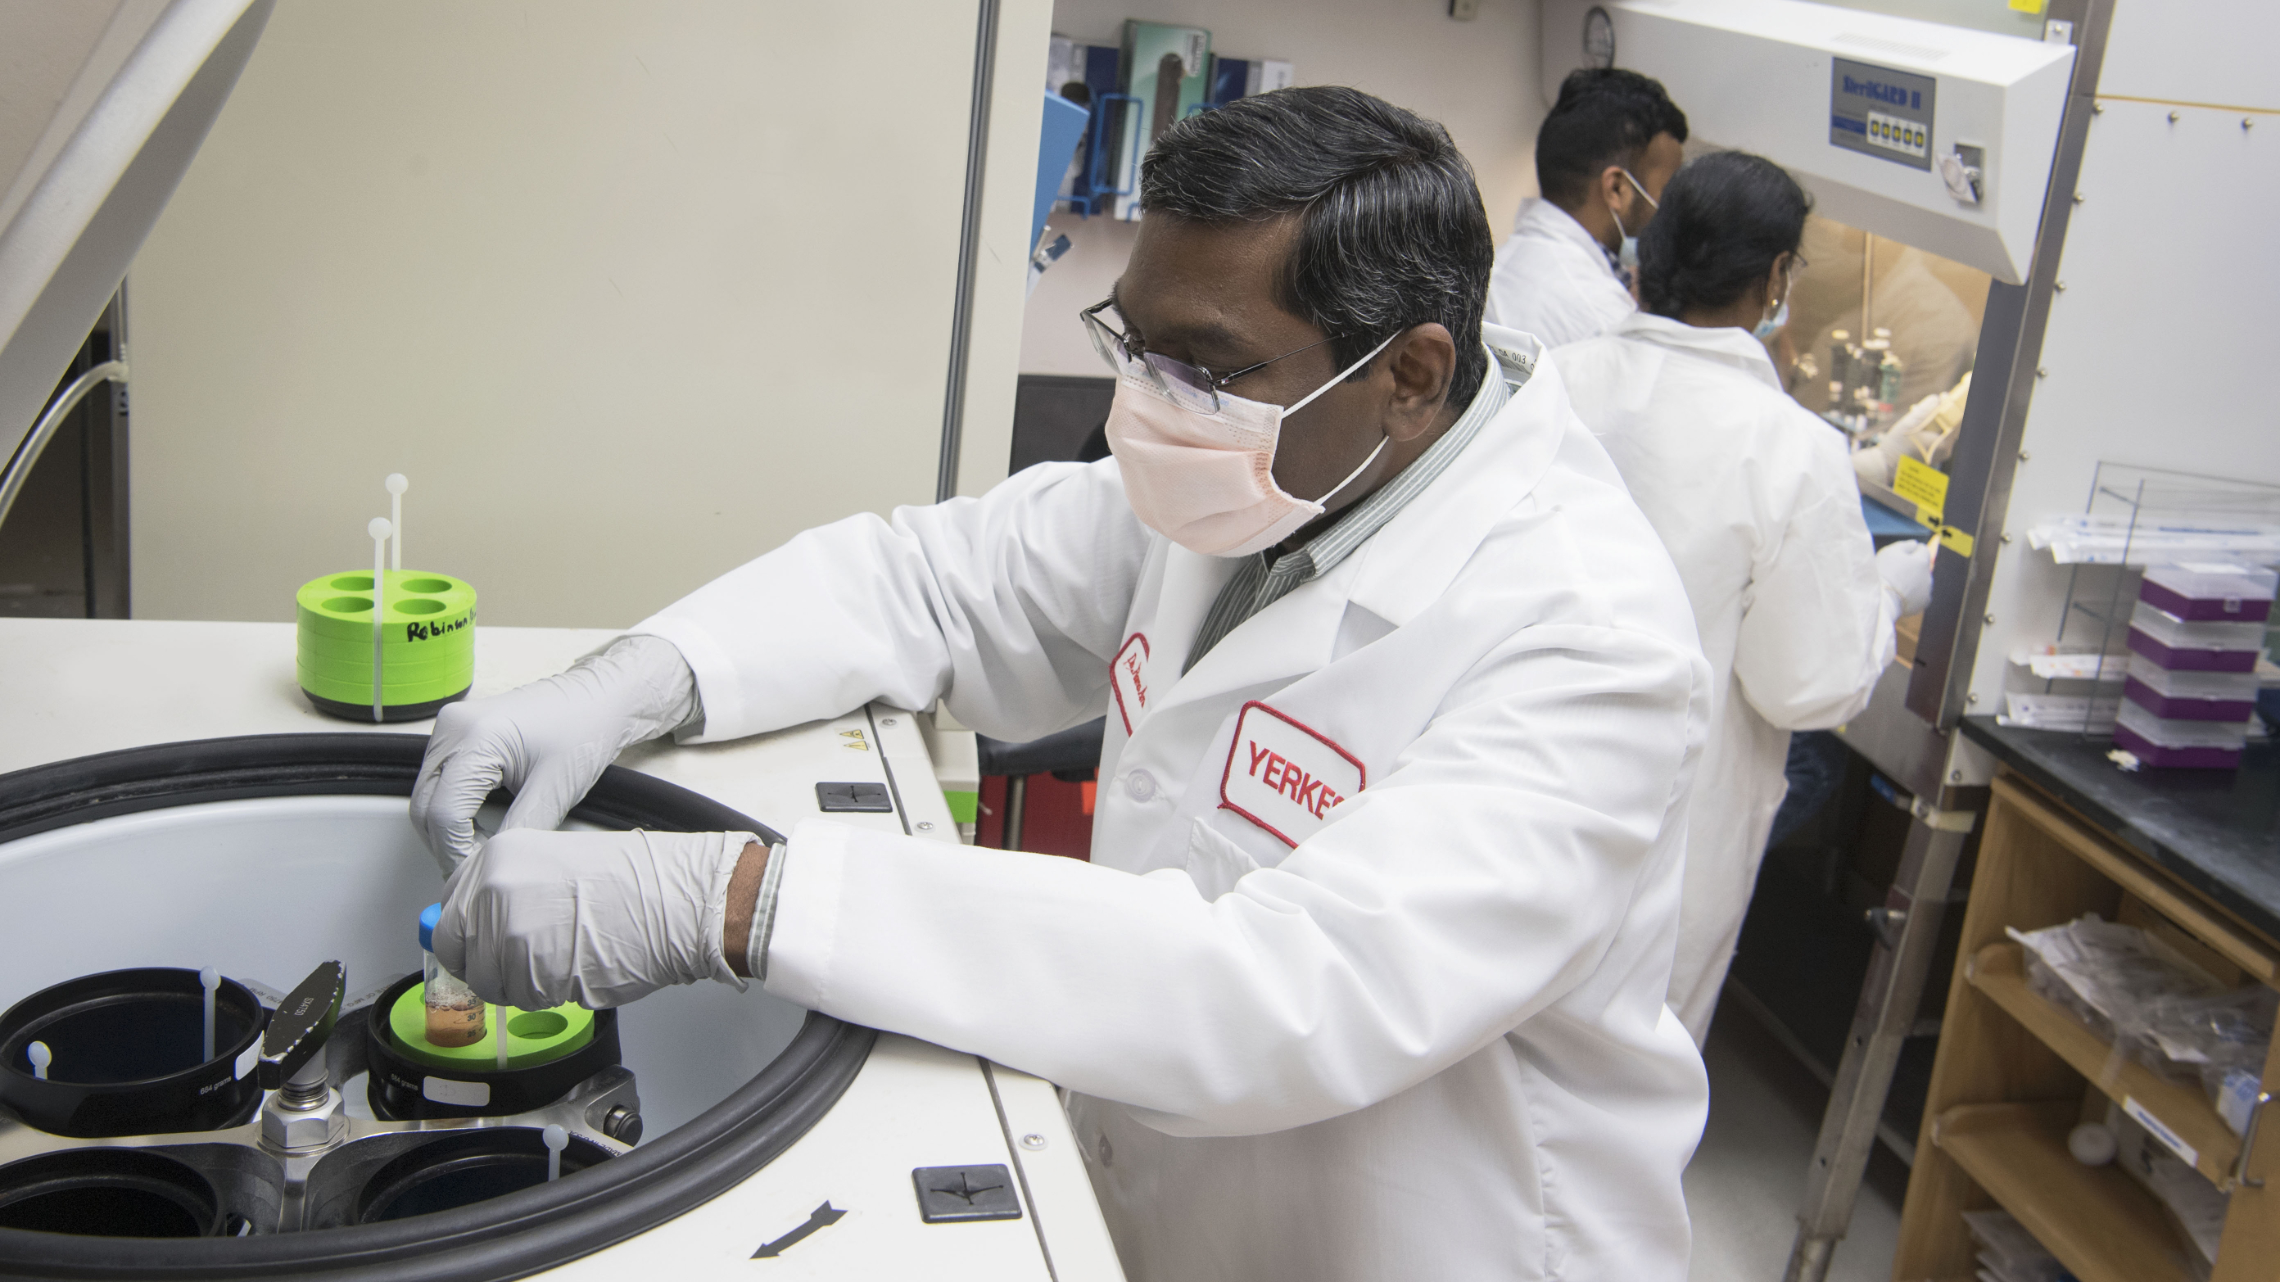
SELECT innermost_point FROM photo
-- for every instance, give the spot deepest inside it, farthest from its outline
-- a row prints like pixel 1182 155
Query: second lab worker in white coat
pixel 1754 496
pixel 1603 154
pixel 1365 979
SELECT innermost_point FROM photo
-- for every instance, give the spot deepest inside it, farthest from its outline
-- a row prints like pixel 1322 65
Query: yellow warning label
pixel 1955 540
pixel 2026 6
pixel 1923 486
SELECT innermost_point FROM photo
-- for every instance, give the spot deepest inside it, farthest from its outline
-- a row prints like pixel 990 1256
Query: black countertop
pixel 2218 831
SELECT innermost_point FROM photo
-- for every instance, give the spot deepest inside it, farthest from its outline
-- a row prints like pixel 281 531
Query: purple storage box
pixel 2224 645
pixel 2227 697
pixel 2210 591
pixel 2192 660
pixel 2189 758
pixel 2186 707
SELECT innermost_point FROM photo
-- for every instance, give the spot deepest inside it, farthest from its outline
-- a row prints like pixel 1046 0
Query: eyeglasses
pixel 1189 385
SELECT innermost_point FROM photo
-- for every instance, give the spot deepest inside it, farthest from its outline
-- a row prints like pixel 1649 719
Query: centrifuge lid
pixel 106 106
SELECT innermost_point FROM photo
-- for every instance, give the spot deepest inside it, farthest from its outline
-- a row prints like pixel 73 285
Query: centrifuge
pixel 171 806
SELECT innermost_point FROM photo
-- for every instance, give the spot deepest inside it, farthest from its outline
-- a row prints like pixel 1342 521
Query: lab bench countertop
pixel 76 687
pixel 2218 831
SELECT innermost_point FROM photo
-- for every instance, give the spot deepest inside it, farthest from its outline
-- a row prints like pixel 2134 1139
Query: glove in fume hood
pixel 1763 76
pixel 103 108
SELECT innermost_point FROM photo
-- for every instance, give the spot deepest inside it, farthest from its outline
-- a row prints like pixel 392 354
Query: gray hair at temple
pixel 1392 232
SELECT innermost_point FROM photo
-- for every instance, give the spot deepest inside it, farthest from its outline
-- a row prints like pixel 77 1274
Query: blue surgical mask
pixel 1771 325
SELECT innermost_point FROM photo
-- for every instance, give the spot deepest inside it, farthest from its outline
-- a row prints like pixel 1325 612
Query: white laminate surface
pixel 75 687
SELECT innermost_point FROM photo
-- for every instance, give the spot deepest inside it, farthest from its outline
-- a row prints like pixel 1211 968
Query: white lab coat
pixel 1427 1042
pixel 1553 280
pixel 1755 498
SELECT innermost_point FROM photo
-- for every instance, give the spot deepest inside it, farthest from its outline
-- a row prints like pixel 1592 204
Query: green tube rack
pixel 427 644
pixel 534 1037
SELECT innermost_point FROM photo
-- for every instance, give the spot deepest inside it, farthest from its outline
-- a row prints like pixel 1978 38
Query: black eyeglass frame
pixel 1195 379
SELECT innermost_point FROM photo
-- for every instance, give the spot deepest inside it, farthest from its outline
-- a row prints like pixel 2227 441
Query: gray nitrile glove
pixel 597 918
pixel 547 741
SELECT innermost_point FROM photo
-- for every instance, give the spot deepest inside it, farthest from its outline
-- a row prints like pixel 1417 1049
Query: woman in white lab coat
pixel 1755 499
pixel 1365 978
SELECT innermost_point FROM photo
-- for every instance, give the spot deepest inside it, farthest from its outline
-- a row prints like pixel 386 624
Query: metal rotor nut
pixel 294 1129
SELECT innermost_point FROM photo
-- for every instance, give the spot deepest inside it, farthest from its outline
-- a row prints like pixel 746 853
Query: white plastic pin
pixel 397 483
pixel 209 979
pixel 557 1140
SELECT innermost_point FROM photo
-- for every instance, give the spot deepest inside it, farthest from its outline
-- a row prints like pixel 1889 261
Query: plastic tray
pixel 2190 696
pixel 2189 758
pixel 2177 644
pixel 2223 591
pixel 2159 741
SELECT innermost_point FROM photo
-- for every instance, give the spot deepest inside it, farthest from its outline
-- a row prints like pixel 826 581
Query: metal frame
pixel 91 401
pixel 105 514
pixel 1987 445
pixel 1910 731
pixel 969 247
pixel 1907 929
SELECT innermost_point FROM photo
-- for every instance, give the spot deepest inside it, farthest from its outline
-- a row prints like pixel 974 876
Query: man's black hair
pixel 1605 116
pixel 1725 218
pixel 1392 233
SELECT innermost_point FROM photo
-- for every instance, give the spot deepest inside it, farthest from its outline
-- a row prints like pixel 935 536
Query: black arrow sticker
pixel 823 1217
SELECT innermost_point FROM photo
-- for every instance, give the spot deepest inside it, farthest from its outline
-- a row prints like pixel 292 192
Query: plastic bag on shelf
pixel 2192 1204
pixel 2009 1253
pixel 2225 1037
pixel 2125 984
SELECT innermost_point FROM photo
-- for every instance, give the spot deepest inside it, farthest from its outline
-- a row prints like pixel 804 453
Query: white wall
pixel 631 292
pixel 1478 78
pixel 2157 349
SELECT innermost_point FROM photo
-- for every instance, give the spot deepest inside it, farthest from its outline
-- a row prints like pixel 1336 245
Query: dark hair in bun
pixel 1724 219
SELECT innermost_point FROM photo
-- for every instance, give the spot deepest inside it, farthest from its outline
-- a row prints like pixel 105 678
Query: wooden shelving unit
pixel 1999 972
pixel 2016 1073
pixel 2095 1219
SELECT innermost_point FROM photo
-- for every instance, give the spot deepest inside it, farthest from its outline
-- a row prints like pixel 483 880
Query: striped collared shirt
pixel 1264 579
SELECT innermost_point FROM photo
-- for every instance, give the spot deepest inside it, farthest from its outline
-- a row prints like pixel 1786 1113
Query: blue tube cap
pixel 429 916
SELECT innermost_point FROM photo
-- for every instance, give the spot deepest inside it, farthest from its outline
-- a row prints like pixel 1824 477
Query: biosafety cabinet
pixel 2010 295
pixel 210 894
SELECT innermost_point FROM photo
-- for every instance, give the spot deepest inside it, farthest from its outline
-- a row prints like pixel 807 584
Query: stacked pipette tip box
pixel 2194 638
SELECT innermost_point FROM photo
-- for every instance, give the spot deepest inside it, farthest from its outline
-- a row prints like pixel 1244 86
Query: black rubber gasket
pixel 506 1237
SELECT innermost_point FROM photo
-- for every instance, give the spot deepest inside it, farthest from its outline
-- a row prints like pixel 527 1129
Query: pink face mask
pixel 1204 478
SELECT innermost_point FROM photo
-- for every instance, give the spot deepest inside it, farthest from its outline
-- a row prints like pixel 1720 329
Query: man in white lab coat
pixel 1602 157
pixel 1755 498
pixel 1365 978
